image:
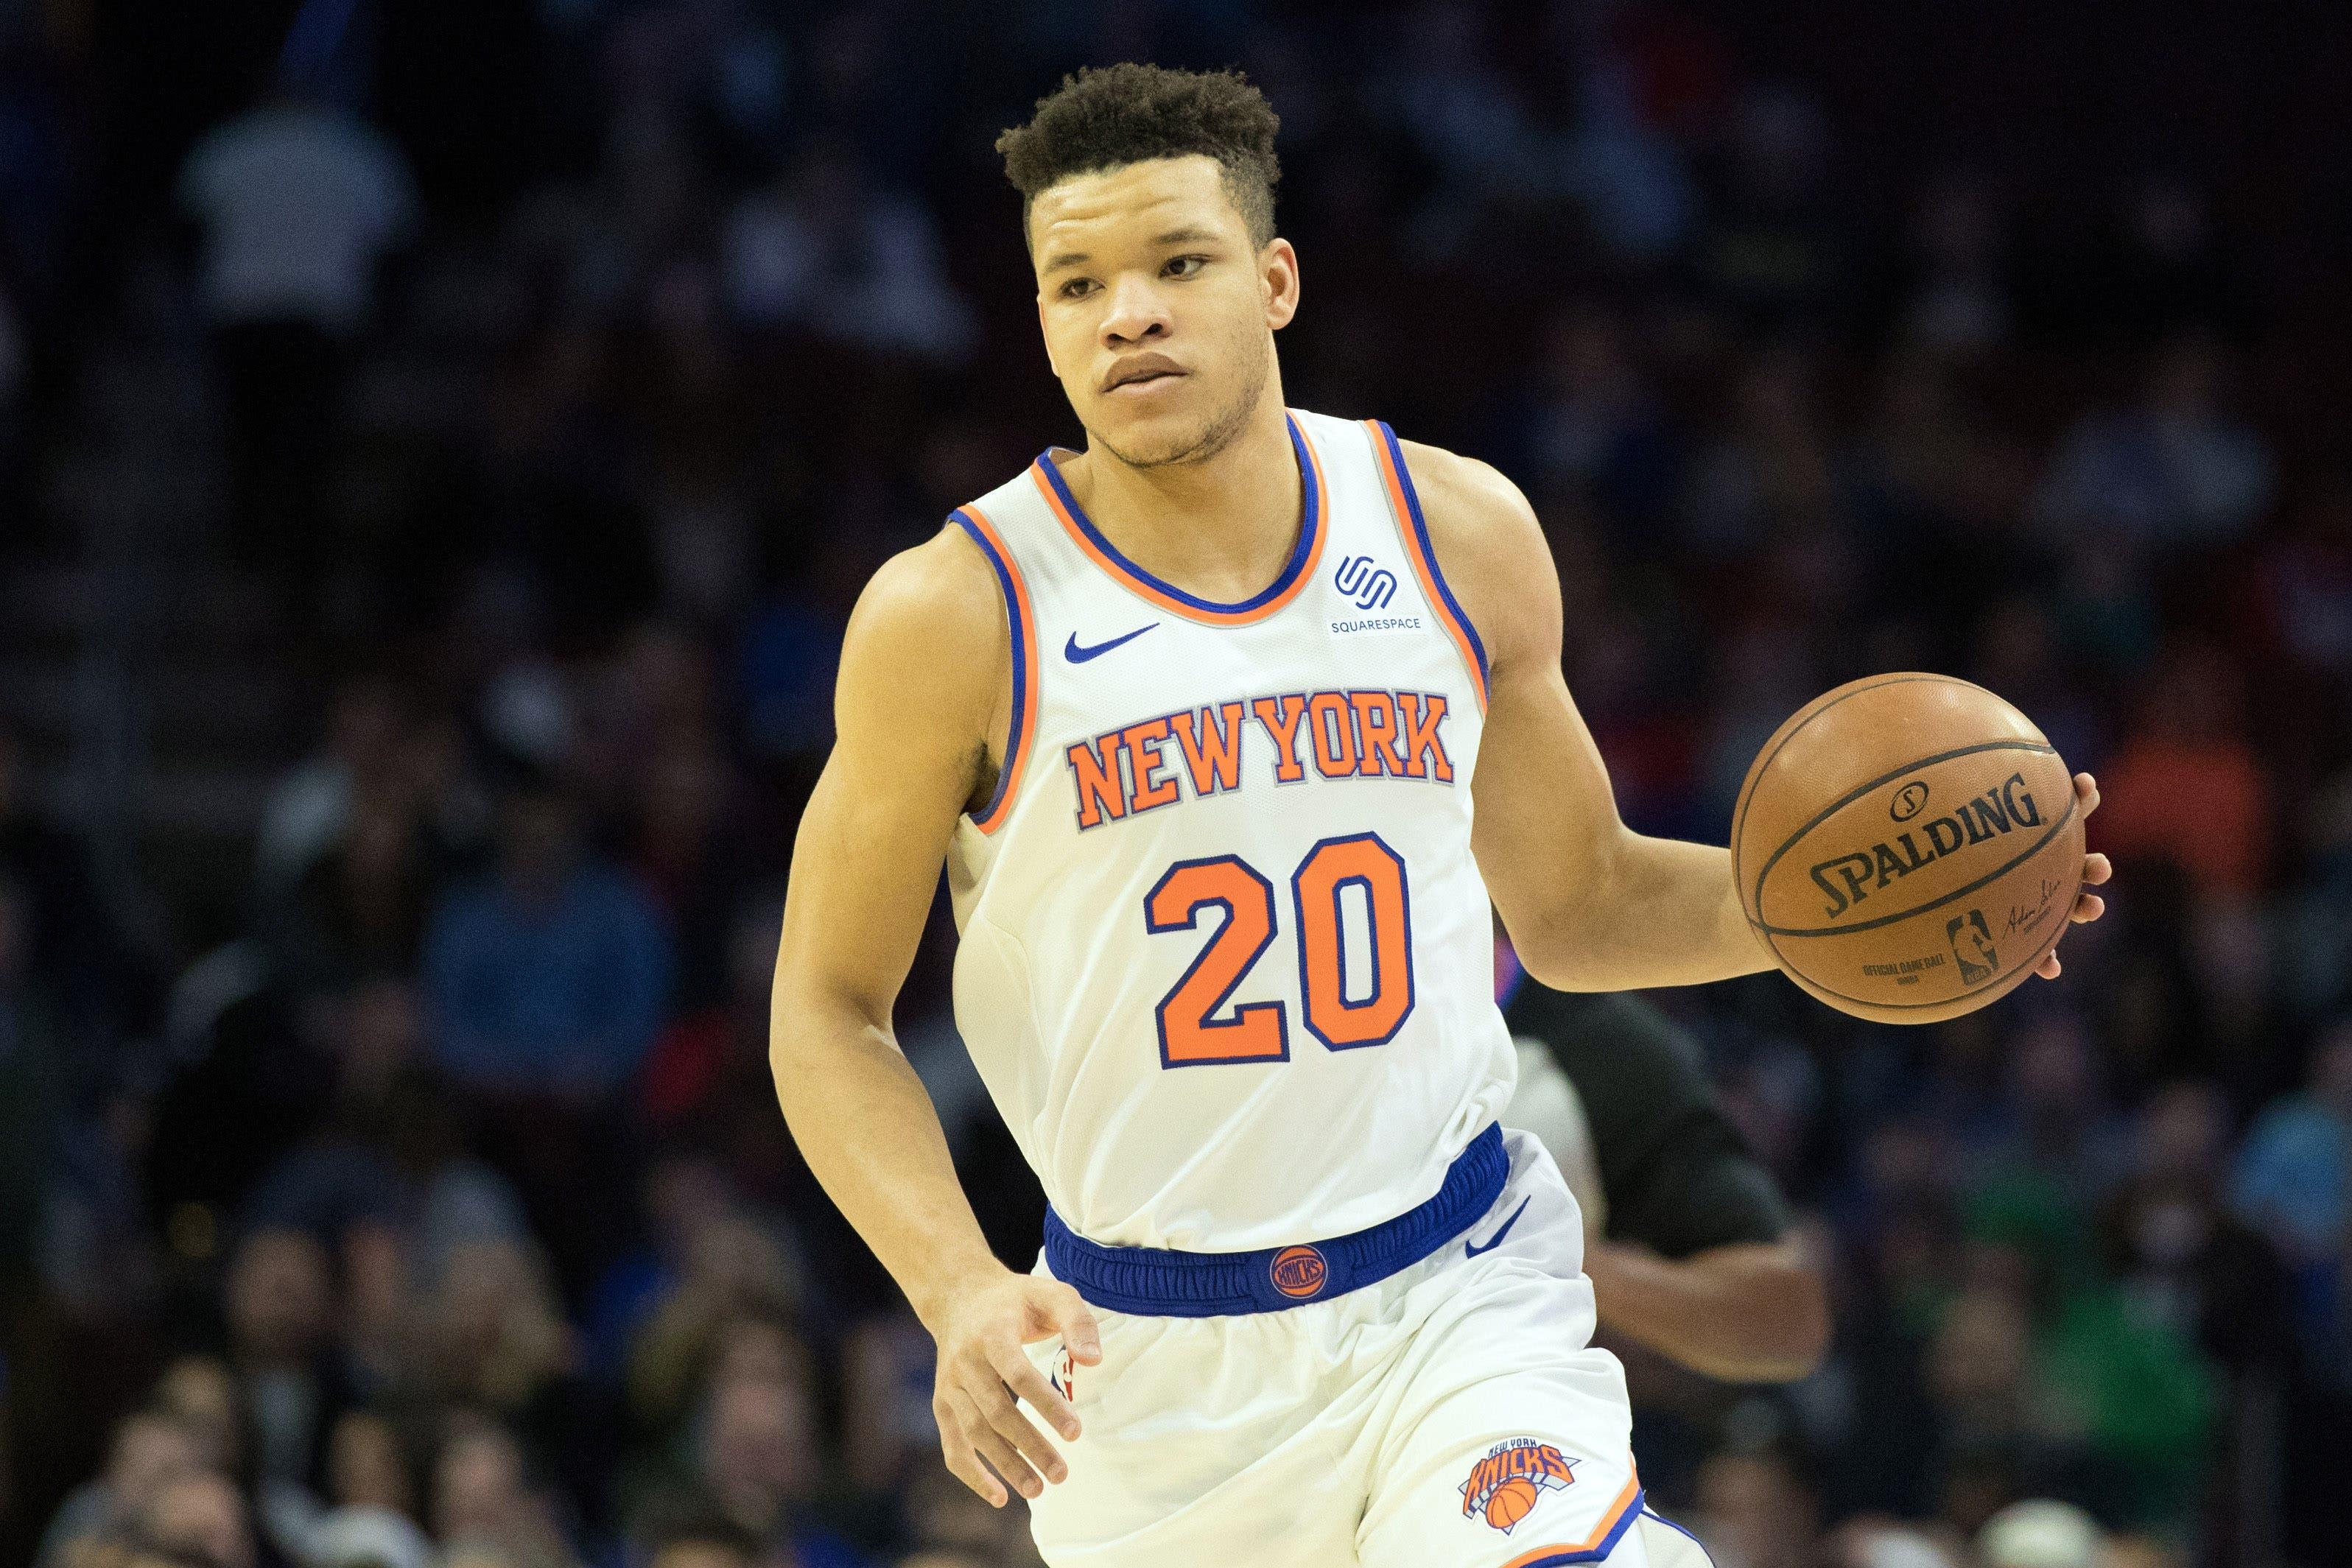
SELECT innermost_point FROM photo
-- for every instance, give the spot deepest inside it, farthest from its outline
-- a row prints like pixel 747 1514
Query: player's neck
pixel 1220 529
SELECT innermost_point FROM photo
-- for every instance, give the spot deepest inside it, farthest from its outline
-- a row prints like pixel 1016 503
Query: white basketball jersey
pixel 1227 964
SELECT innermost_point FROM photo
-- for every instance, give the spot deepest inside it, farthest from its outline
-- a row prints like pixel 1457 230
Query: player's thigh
pixel 1508 1439
pixel 1205 1441
pixel 1495 1479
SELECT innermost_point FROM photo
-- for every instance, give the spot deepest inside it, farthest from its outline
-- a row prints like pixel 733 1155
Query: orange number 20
pixel 1190 1033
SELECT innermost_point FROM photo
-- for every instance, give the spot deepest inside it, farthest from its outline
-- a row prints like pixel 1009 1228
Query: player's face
pixel 1158 313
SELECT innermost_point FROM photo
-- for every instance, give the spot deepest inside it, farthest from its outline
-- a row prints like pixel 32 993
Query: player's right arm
pixel 920 709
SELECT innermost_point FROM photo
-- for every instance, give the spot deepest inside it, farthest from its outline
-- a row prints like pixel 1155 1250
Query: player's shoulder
pixel 946 584
pixel 1488 542
pixel 929 629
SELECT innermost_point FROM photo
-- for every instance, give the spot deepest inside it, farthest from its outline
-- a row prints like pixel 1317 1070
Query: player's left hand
pixel 2095 871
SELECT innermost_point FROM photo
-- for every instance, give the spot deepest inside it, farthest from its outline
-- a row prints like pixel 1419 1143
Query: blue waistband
pixel 1153 1282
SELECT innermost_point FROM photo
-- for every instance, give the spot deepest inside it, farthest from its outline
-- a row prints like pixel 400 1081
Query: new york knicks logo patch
pixel 1299 1272
pixel 1505 1487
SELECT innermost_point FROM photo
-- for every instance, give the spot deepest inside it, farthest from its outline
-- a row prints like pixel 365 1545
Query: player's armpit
pixel 919 710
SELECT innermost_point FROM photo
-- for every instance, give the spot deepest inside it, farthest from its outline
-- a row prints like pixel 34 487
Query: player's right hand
pixel 982 1370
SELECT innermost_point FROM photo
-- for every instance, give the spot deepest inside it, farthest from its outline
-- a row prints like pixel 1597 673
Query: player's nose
pixel 1137 314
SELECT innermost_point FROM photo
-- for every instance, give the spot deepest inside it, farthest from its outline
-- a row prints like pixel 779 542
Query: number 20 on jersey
pixel 1191 1034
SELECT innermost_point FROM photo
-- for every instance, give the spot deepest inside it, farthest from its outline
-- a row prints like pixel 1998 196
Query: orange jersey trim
pixel 1566 1551
pixel 1297 572
pixel 1022 626
pixel 1405 506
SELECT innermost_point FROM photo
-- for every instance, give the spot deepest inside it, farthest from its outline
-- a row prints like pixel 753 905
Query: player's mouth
pixel 1139 374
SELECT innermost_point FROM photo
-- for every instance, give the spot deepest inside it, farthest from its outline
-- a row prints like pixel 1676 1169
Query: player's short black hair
pixel 1110 116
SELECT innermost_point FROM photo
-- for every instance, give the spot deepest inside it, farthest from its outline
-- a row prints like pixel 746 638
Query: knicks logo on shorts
pixel 1505 1487
pixel 1299 1272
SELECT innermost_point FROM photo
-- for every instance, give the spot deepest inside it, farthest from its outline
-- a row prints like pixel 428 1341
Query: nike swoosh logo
pixel 1077 654
pixel 1497 1240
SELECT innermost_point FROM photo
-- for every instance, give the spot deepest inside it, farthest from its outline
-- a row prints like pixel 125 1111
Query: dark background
pixel 440 444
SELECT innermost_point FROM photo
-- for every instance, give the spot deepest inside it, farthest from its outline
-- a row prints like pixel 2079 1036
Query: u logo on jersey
pixel 1505 1487
pixel 1369 585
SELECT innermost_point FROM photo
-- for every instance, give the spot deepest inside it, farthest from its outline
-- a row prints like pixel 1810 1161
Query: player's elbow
pixel 1557 947
pixel 1571 935
pixel 809 1023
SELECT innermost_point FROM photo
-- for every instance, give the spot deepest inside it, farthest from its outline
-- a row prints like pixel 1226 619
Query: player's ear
pixel 1278 273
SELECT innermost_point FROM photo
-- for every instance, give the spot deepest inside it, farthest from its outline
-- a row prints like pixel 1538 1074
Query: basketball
pixel 1908 847
pixel 1510 1502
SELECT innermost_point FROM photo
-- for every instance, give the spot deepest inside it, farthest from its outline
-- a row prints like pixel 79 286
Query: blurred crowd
pixel 422 1200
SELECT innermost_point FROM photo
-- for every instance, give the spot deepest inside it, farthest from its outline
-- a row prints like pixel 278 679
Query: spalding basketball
pixel 1908 847
pixel 1510 1502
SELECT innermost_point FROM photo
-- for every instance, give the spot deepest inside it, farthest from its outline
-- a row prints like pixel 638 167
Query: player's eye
pixel 1183 266
pixel 1076 288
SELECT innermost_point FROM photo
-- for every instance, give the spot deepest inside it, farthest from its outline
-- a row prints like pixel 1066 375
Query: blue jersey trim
pixel 1649 1512
pixel 1600 1549
pixel 1301 553
pixel 1153 1282
pixel 1428 550
pixel 1016 733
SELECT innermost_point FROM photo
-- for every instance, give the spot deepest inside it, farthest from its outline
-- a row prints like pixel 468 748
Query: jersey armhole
pixel 1023 629
pixel 1404 506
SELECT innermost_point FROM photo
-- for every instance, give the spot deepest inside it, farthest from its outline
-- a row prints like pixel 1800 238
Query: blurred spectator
pixel 831 248
pixel 2185 786
pixel 299 201
pixel 713 1542
pixel 486 1506
pixel 2182 1258
pixel 398 1161
pixel 1753 1512
pixel 309 808
pixel 2305 581
pixel 199 1512
pixel 726 1314
pixel 2294 1175
pixel 2177 471
pixel 759 1464
pixel 280 1299
pixel 371 1514
pixel 548 977
pixel 152 1447
pixel 2041 1534
pixel 491 1338
pixel 1959 290
pixel 90 968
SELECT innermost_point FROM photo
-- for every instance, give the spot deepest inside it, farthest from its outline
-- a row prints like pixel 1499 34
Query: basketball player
pixel 1196 719
pixel 1688 1242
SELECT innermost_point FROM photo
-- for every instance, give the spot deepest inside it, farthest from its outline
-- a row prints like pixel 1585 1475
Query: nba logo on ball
pixel 1505 1487
pixel 1299 1272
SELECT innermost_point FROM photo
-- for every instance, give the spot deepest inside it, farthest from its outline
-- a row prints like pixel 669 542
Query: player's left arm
pixel 1591 905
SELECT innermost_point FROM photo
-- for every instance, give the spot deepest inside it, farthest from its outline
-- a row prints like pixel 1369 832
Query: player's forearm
pixel 870 1133
pixel 1656 912
pixel 1748 1313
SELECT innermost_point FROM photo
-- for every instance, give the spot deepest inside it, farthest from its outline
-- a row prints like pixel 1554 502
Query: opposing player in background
pixel 1689 1241
pixel 1196 719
